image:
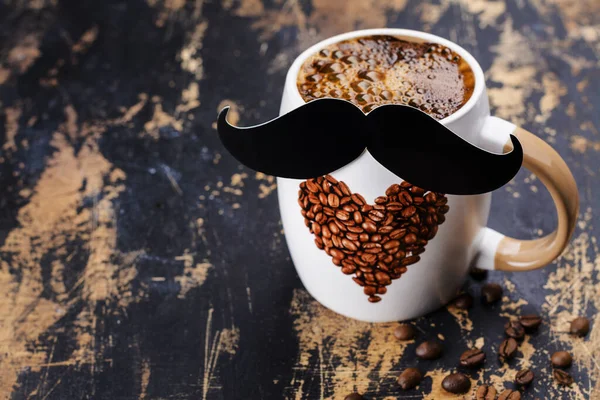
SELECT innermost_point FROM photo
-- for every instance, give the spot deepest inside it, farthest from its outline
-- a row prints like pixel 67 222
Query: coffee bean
pixel 410 238
pixel 352 236
pixel 376 215
pixel 376 238
pixel 319 243
pixel 464 301
pixel 410 378
pixel 368 258
pixel 430 198
pixel 385 229
pixel 478 274
pixel 374 299
pixel 325 232
pixel 394 206
pixel 348 270
pixel 331 179
pixel 391 244
pixel 472 358
pixel 349 244
pixel 405 198
pixel 342 215
pixel 404 332
pixel 358 282
pixel 369 226
pixel 354 396
pixel 530 322
pixel 373 248
pixel 580 326
pixel 323 198
pixel 333 200
pixel 312 186
pixel 344 188
pixel 417 191
pixel 392 190
pixel 381 200
pixel 429 350
pixel 507 349
pixel 336 241
pixel 524 377
pixel 355 229
pixel 370 290
pixel 485 392
pixel 336 253
pixel 350 208
pixel 397 233
pixel 408 212
pixel 514 329
pixel 456 383
pixel 335 230
pixel 382 278
pixel 491 293
pixel 561 359
pixel 510 394
pixel 358 199
pixel 389 218
pixel 562 378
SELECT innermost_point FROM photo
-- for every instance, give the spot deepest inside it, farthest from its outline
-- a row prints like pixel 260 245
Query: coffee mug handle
pixel 500 252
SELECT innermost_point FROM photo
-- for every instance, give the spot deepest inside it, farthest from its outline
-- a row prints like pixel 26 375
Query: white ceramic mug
pixel 462 240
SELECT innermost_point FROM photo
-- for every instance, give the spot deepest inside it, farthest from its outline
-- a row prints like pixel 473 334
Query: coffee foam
pixel 376 70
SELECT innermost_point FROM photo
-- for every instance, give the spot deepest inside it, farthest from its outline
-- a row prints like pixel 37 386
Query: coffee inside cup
pixel 375 70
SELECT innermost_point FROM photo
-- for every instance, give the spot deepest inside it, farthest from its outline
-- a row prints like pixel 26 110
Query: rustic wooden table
pixel 138 260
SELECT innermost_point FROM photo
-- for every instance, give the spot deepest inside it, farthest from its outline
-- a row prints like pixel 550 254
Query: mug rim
pixel 294 69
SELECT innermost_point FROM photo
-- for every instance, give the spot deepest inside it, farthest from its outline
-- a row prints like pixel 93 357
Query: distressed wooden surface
pixel 140 261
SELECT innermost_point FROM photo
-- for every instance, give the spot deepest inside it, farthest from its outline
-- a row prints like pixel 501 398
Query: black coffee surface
pixel 376 70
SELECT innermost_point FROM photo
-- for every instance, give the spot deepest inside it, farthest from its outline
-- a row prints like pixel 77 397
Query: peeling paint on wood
pixel 139 261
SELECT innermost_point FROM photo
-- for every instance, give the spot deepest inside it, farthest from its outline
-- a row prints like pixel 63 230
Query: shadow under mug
pixel 463 240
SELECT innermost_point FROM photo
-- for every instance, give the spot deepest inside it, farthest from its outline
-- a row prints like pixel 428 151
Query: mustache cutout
pixel 326 134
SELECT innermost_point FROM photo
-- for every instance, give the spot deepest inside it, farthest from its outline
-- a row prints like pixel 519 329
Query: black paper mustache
pixel 326 134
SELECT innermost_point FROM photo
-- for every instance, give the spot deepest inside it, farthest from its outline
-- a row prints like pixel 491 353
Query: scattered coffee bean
pixel 562 378
pixel 507 349
pixel 524 377
pixel 485 392
pixel 530 322
pixel 404 332
pixel 580 326
pixel 429 350
pixel 410 378
pixel 561 359
pixel 514 329
pixel 491 293
pixel 354 396
pixel 510 394
pixel 472 358
pixel 478 274
pixel 463 301
pixel 456 383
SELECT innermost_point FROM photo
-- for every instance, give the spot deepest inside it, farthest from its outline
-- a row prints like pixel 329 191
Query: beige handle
pixel 541 159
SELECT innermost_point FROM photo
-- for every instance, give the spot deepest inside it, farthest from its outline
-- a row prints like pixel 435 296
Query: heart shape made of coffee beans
pixel 375 243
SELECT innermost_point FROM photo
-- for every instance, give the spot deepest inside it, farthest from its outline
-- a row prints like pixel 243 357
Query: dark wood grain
pixel 139 261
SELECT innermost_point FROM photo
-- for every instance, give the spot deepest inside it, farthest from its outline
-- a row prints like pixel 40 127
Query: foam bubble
pixel 377 70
